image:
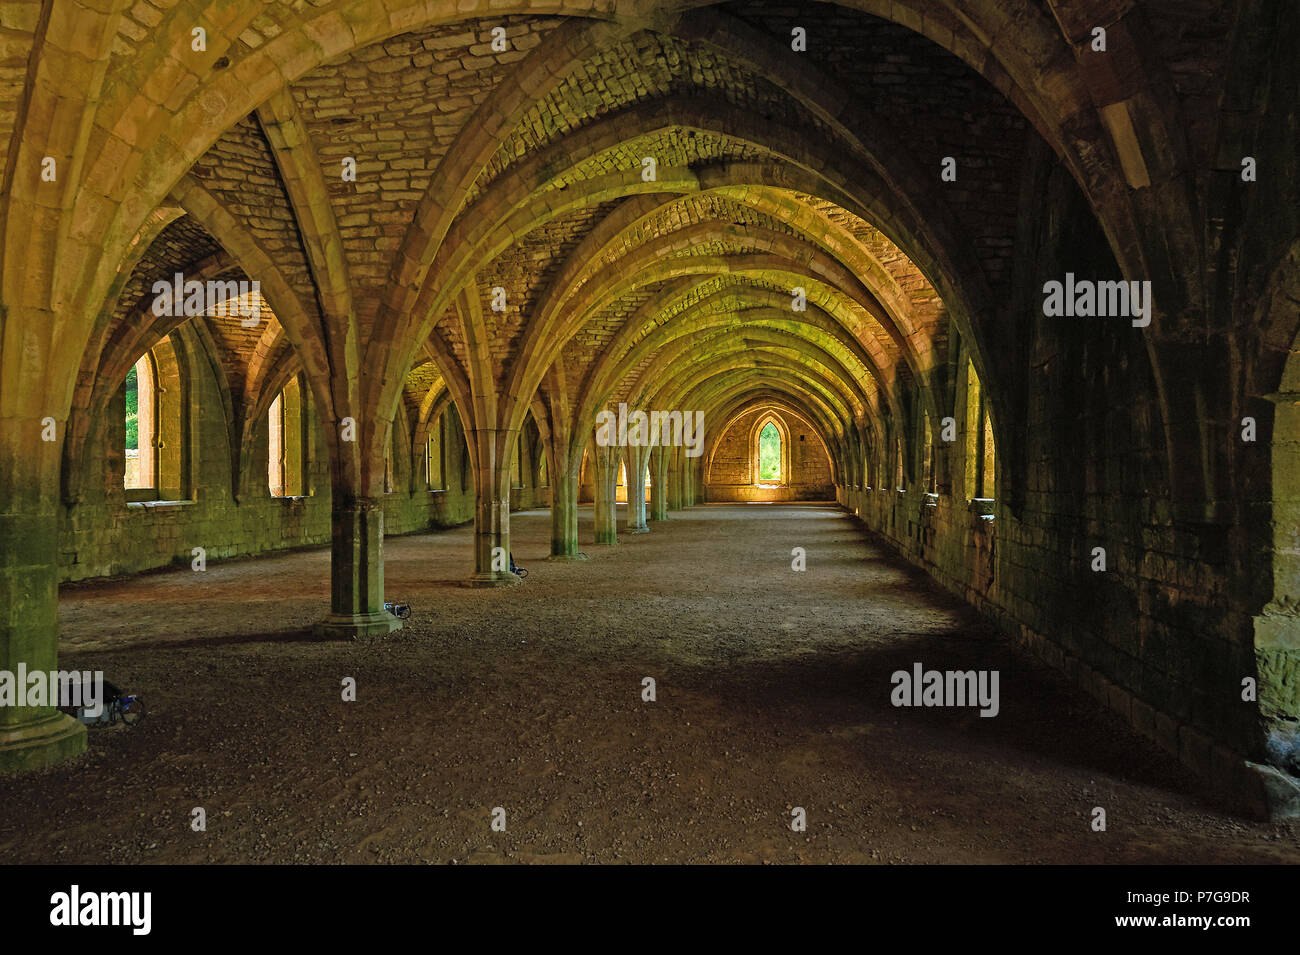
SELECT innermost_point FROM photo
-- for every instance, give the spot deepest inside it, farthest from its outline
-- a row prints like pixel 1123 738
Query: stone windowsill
pixel 158 505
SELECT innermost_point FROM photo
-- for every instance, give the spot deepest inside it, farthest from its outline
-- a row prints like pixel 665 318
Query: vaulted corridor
pixel 835 366
pixel 772 691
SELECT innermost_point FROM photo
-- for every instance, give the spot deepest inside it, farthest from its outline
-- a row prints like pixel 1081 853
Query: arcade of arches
pixel 444 236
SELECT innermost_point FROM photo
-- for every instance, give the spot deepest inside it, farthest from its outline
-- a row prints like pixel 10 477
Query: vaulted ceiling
pixel 680 205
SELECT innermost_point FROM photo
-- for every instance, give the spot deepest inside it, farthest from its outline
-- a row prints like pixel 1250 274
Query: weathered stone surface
pixel 681 212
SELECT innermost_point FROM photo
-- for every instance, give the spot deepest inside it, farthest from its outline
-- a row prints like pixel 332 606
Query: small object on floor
pixel 399 610
pixel 115 706
pixel 516 569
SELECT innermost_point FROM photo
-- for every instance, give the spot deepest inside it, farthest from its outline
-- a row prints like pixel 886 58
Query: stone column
pixel 31 737
pixel 605 461
pixel 674 473
pixel 658 485
pixel 637 460
pixel 492 509
pixel 564 514
pixel 356 570
pixel 688 481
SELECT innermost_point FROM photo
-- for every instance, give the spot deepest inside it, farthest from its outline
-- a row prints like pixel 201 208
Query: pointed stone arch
pixel 755 440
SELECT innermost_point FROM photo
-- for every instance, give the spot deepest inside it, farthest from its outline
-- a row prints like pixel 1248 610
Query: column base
pixel 638 530
pixel 351 626
pixel 607 539
pixel 1279 792
pixel 567 557
pixel 40 744
pixel 497 579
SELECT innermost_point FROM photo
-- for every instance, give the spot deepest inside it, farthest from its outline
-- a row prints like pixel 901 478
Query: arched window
pixel 979 440
pixel 157 426
pixel 286 443
pixel 275 447
pixel 433 461
pixel 927 450
pixel 898 464
pixel 141 429
pixel 769 454
pixel 543 479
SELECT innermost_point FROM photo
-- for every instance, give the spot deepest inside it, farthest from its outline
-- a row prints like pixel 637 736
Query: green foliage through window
pixel 132 412
pixel 769 453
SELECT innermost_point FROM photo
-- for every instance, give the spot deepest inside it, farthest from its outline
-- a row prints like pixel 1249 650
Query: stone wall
pixel 1155 636
pixel 104 535
pixel 729 475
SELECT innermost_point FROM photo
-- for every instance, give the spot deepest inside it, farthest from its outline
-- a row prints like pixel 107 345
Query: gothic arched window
pixel 769 454
pixel 287 442
pixel 157 426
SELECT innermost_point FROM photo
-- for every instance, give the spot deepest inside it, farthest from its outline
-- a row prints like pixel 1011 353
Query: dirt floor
pixel 773 692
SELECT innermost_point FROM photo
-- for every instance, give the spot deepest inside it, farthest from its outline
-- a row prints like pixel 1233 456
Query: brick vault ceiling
pixel 517 168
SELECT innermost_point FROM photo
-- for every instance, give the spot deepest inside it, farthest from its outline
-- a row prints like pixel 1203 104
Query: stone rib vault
pixel 475 227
